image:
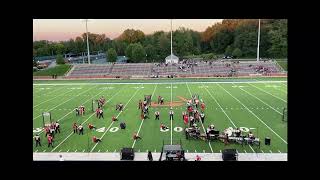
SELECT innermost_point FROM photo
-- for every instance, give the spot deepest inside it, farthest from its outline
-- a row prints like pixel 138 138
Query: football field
pixel 252 104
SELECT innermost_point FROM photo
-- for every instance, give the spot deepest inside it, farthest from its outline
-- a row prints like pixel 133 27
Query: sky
pixel 64 29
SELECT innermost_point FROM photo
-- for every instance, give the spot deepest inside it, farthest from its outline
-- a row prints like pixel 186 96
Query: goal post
pixel 94 105
pixel 46 119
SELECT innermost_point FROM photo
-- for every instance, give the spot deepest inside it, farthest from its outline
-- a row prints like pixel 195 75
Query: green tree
pixel 112 55
pixel 128 51
pixel 228 51
pixel 236 53
pixel 60 59
pixel 138 53
pixel 151 52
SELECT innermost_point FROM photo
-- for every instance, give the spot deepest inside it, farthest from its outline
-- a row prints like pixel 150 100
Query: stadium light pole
pixel 171 43
pixel 86 20
pixel 258 41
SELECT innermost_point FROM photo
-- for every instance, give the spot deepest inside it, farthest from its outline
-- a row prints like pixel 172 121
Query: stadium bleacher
pixel 183 69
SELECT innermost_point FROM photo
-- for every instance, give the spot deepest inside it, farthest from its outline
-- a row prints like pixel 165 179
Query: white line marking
pixel 51 99
pixel 68 150
pixel 255 115
pixel 261 101
pixel 262 151
pixel 220 151
pixel 221 108
pixel 279 151
pixel 99 150
pixel 65 101
pixel 200 121
pixel 36 150
pixel 251 148
pixel 204 151
pixel 270 151
pixel 83 150
pixel 187 150
pixel 60 150
pixel 44 150
pixel 116 117
pixel 267 92
pixel 82 122
pixel 101 83
pixel 143 120
pixel 195 151
pixel 245 151
pixel 75 151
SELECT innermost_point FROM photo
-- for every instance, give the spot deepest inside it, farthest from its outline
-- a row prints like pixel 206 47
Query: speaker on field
pixel 229 155
pixel 267 141
pixel 127 154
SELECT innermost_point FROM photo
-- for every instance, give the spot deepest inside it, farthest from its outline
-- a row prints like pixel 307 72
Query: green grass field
pixel 242 103
pixel 59 70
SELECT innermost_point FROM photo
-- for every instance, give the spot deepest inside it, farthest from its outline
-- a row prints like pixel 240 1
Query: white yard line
pixel 87 101
pixel 221 108
pixel 190 82
pixel 254 115
pixel 267 92
pixel 200 121
pixel 284 84
pixel 260 100
pixel 251 148
pixel 53 98
pixel 279 151
pixel 171 119
pixel 143 120
pixel 83 122
pixel 116 117
pixel 38 96
pixel 71 133
pixel 65 101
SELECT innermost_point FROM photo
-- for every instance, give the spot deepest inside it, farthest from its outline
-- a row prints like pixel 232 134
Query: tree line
pixel 236 37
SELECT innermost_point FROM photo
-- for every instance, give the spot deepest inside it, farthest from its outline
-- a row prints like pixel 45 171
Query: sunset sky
pixel 64 29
